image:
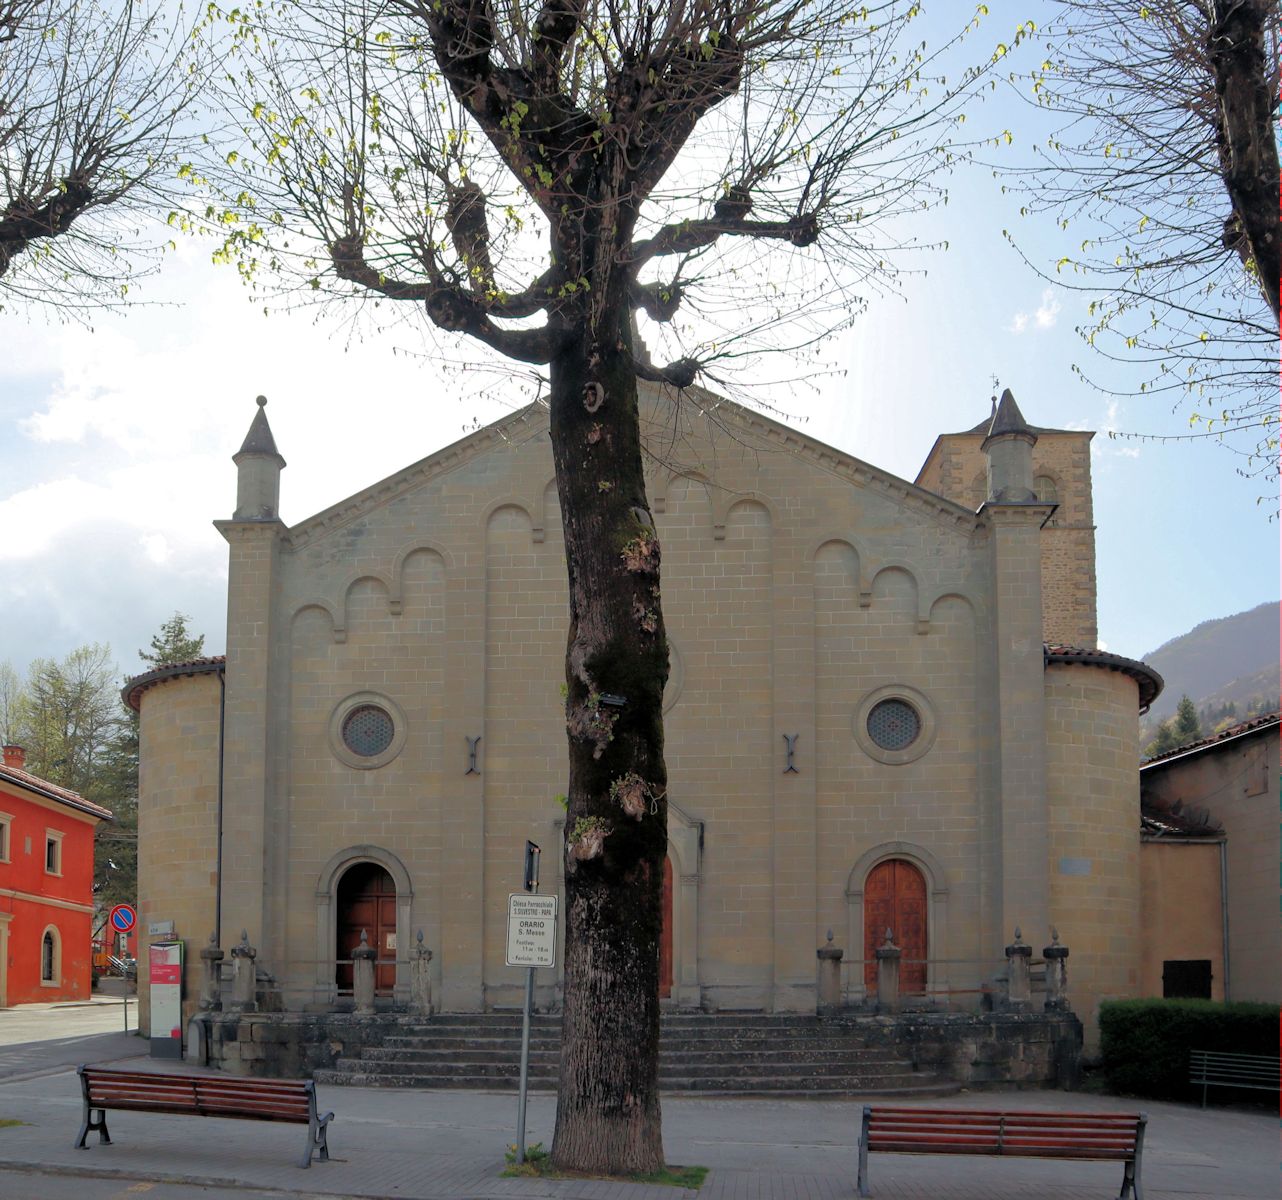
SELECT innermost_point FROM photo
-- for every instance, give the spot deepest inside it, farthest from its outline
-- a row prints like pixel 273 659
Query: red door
pixel 665 935
pixel 895 899
pixel 367 901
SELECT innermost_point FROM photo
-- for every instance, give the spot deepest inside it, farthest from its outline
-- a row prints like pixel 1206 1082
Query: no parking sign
pixel 123 918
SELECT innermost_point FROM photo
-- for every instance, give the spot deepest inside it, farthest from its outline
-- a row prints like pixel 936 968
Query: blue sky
pixel 117 440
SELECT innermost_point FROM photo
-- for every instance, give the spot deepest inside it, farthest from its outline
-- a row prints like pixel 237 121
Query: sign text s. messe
pixel 531 930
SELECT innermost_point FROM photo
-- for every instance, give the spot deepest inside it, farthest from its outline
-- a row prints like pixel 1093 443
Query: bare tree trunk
pixel 608 1116
pixel 1245 136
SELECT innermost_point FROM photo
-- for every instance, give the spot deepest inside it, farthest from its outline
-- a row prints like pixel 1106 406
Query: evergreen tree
pixel 1187 726
pixel 1163 743
pixel 174 643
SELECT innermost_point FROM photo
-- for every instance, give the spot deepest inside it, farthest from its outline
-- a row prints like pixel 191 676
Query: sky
pixel 117 439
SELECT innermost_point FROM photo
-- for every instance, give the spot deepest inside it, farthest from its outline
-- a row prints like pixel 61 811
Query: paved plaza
pixel 444 1145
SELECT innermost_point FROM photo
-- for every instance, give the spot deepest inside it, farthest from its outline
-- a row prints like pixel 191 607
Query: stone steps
pixel 721 1054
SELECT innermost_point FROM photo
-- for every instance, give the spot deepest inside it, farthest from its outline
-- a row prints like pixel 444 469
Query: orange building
pixel 46 886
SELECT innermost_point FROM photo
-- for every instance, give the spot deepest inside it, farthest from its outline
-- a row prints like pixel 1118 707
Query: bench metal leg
pixel 88 1123
pixel 863 1153
pixel 317 1139
pixel 1131 1172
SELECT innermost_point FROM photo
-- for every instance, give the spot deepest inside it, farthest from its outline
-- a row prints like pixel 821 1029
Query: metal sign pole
pixel 531 885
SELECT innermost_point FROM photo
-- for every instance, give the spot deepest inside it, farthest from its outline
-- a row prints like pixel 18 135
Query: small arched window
pixel 1045 489
pixel 49 956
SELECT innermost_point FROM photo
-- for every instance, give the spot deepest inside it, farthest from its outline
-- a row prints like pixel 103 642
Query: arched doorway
pixel 367 901
pixel 895 899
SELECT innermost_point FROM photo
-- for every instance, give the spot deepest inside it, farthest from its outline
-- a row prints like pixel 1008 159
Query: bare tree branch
pixel 93 100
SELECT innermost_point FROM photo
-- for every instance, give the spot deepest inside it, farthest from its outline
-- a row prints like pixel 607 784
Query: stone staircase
pixel 705 1054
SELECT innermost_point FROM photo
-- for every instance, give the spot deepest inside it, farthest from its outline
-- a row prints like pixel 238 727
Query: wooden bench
pixel 1110 1136
pixel 292 1100
pixel 1215 1068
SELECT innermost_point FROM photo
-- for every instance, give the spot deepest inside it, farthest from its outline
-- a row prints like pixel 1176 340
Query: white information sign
pixel 531 930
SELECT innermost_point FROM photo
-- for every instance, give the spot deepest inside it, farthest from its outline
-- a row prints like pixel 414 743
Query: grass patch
pixel 538 1165
pixel 8 1122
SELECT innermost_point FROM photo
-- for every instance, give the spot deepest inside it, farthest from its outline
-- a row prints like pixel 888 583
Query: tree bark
pixel 1244 136
pixel 608 1116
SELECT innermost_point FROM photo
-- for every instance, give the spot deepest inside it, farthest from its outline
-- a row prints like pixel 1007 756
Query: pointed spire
pixel 1009 448
pixel 1008 419
pixel 258 468
pixel 259 439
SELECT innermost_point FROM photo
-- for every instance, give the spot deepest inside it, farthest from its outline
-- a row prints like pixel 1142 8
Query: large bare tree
pixel 1164 176
pixel 605 191
pixel 93 98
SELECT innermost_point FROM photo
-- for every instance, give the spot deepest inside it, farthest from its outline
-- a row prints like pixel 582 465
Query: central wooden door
pixel 895 899
pixel 367 901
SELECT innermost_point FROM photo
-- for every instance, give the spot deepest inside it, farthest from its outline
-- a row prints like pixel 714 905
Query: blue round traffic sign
pixel 123 918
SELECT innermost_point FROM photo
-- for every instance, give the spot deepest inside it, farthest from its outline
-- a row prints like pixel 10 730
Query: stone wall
pixel 998 1050
pixel 1093 807
pixel 282 1045
pixel 957 469
pixel 178 826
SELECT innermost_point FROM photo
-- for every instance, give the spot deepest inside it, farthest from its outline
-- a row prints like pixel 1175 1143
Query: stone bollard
pixel 363 975
pixel 888 955
pixel 244 981
pixel 420 979
pixel 211 992
pixel 830 957
pixel 1056 974
pixel 1019 992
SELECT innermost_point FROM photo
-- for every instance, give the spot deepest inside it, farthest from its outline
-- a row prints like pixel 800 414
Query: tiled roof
pixel 51 791
pixel 1173 825
pixel 1233 731
pixel 1151 683
pixel 132 692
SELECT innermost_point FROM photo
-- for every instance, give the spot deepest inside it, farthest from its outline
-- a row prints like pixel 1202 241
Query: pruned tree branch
pixel 93 99
pixel 1245 137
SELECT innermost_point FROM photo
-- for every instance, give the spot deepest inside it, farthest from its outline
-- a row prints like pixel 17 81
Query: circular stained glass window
pixel 894 724
pixel 368 730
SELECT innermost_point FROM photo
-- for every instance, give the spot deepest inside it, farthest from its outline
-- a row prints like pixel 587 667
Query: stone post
pixel 1019 993
pixel 888 955
pixel 211 993
pixel 1056 974
pixel 830 957
pixel 244 982
pixel 363 975
pixel 420 979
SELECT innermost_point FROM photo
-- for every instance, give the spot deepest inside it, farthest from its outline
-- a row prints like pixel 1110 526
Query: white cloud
pixel 1048 311
pixel 1044 316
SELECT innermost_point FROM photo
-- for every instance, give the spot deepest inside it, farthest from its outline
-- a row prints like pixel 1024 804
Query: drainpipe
pixel 1224 911
pixel 218 866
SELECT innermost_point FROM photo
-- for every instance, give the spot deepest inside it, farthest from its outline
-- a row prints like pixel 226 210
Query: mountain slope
pixel 1229 659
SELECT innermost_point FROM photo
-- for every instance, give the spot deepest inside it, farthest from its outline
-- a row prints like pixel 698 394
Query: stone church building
pixel 885 710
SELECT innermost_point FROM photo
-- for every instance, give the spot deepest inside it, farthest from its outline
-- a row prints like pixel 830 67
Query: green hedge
pixel 1145 1044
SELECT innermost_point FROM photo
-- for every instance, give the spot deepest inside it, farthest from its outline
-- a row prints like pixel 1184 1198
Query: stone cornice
pixel 234 530
pixel 533 419
pixel 519 427
pixel 1016 514
pixel 51 901
pixel 845 466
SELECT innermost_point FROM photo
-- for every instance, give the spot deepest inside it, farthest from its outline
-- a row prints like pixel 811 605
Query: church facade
pixel 885 711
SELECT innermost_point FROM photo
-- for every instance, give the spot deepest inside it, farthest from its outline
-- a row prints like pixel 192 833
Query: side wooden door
pixel 895 899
